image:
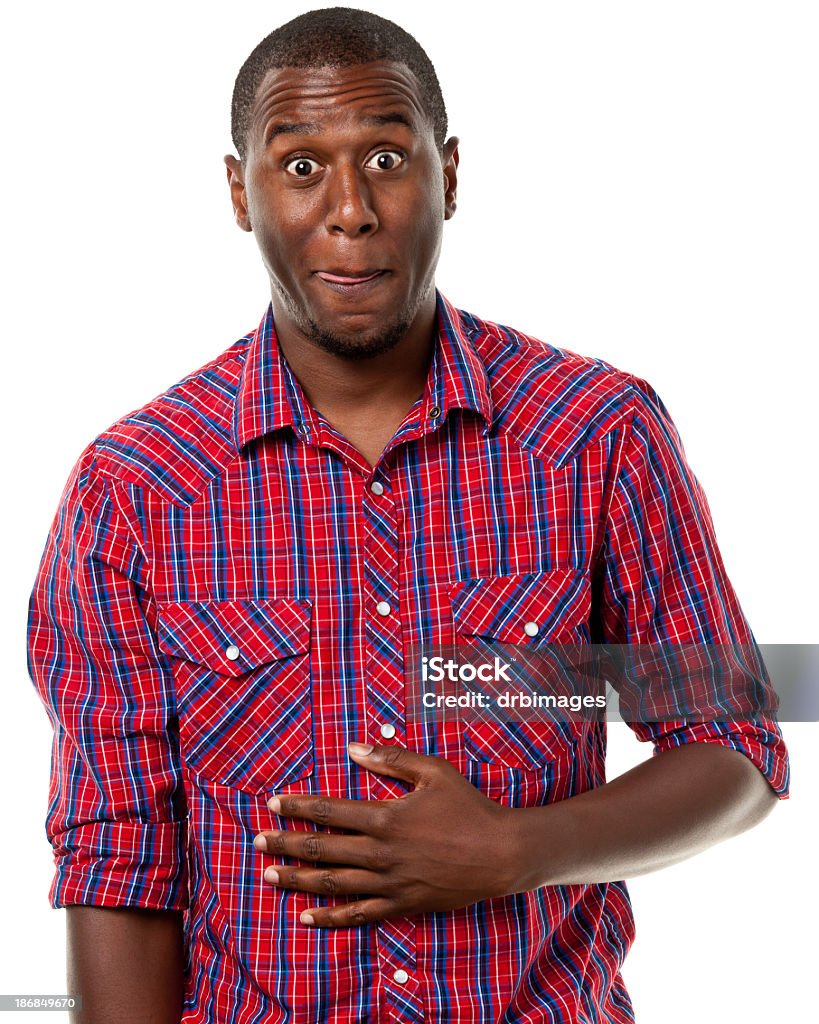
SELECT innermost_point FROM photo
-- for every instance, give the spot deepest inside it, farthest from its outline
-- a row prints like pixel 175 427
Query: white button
pixel 387 731
pixel 232 652
pixel 531 628
pixel 376 487
pixel 383 608
pixel 400 976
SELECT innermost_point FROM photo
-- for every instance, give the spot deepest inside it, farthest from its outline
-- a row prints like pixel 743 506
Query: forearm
pixel 126 964
pixel 665 810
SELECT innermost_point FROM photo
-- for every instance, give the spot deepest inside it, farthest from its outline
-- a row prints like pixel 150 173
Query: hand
pixel 442 846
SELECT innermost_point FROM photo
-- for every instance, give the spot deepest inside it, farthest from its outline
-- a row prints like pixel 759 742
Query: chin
pixel 357 345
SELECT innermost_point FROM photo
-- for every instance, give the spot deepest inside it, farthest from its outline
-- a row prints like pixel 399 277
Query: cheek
pixel 428 219
pixel 271 245
pixel 279 218
pixel 281 234
pixel 425 235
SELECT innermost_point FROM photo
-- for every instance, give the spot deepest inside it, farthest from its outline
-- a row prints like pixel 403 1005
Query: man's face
pixel 347 194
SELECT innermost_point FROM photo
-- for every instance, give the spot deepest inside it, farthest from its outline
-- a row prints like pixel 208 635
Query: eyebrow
pixel 306 128
pixel 393 118
pixel 286 128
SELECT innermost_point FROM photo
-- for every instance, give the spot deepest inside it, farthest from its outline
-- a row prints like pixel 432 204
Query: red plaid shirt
pixel 227 598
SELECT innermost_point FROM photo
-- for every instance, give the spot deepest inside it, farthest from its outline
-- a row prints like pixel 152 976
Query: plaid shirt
pixel 227 597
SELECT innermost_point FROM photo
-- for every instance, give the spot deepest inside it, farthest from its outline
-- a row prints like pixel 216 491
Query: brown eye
pixel 386 160
pixel 301 166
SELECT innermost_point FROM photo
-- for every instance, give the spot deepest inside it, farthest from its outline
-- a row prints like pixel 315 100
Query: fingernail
pixel 271 875
pixel 360 749
pixel 260 843
pixel 274 804
pixel 307 918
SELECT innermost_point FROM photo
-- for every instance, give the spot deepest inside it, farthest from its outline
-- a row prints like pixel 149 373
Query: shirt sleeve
pixel 116 818
pixel 664 581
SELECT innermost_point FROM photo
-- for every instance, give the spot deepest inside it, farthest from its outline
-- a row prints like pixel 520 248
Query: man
pixel 239 573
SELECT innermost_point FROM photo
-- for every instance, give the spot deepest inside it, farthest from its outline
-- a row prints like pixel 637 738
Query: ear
pixel 450 159
pixel 238 196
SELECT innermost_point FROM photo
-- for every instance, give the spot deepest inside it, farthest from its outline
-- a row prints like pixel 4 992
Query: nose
pixel 350 207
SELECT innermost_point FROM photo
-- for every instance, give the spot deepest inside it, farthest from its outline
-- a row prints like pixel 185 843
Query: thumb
pixel 397 762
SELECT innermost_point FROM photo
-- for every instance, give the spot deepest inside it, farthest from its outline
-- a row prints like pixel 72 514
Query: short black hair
pixel 335 37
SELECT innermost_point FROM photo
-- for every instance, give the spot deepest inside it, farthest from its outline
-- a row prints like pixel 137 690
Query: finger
pixel 318 846
pixel 395 761
pixel 357 815
pixel 335 881
pixel 350 915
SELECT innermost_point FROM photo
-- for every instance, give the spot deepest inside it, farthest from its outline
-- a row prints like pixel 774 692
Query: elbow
pixel 766 801
pixel 755 797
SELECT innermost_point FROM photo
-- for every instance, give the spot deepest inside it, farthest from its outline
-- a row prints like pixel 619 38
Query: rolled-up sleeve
pixel 116 818
pixel 664 581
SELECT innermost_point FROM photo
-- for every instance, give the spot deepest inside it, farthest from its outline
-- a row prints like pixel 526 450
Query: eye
pixel 386 160
pixel 301 166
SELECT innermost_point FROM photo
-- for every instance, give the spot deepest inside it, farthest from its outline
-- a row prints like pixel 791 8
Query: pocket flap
pixel 529 608
pixel 233 637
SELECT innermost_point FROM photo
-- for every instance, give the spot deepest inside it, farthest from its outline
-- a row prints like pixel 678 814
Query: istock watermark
pixel 438 668
pixel 483 679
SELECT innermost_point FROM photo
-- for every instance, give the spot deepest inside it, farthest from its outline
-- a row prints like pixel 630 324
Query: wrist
pixel 540 840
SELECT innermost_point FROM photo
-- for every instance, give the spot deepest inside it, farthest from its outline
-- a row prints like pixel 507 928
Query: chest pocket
pixel 242 676
pixel 529 759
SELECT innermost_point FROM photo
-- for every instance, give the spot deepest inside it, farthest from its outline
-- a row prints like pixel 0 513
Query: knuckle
pixel 389 819
pixel 328 883
pixel 275 844
pixel 385 814
pixel 357 917
pixel 392 755
pixel 312 847
pixel 379 858
pixel 321 811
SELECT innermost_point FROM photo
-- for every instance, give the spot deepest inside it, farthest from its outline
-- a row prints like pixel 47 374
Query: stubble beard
pixel 358 346
pixel 354 346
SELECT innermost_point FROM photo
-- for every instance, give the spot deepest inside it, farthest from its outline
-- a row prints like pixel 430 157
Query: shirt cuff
pixel 760 742
pixel 121 864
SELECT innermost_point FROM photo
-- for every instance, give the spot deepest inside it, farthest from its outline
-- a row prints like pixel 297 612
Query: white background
pixel 638 182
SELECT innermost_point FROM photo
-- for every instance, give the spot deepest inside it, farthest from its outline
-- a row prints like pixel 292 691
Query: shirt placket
pixel 396 940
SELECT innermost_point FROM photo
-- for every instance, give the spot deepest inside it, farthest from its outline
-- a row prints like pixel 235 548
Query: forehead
pixel 310 94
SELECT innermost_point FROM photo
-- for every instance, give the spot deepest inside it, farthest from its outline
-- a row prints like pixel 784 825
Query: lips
pixel 348 277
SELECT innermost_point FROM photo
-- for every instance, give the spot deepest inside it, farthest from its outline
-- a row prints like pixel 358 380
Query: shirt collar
pixel 270 397
pixel 457 377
